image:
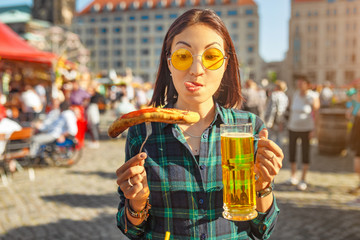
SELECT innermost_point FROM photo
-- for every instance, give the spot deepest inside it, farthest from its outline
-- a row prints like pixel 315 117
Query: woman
pixel 304 106
pixel 179 170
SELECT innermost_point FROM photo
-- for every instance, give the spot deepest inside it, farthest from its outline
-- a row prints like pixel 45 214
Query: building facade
pixel 129 34
pixel 58 12
pixel 324 41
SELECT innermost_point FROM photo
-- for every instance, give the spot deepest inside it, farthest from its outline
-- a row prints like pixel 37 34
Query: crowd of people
pixel 67 111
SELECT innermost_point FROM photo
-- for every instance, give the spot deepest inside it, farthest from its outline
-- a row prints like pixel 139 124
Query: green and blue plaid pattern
pixel 186 195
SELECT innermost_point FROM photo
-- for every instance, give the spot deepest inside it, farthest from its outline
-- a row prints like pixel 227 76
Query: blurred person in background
pixel 79 96
pixel 41 91
pixel 353 114
pixel 7 127
pixel 31 104
pixel 62 127
pixel 326 95
pixel 50 117
pixel 304 106
pixel 93 116
pixel 251 97
pixel 275 112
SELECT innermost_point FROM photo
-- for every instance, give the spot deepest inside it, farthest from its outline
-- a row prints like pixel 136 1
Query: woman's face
pixel 197 84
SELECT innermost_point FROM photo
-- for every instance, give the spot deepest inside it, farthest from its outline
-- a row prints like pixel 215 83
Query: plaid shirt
pixel 186 195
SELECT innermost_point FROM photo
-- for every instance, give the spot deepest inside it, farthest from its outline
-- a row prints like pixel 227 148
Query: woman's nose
pixel 197 67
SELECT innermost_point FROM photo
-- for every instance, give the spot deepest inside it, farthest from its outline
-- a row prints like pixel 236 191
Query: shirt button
pixel 203 236
pixel 201 201
pixel 202 167
pixel 205 136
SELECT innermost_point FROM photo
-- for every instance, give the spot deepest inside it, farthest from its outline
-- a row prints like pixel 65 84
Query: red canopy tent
pixel 13 47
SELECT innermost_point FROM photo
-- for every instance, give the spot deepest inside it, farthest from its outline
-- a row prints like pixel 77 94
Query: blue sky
pixel 274 23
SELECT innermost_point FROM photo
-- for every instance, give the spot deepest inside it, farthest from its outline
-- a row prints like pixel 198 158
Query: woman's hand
pixel 131 178
pixel 268 160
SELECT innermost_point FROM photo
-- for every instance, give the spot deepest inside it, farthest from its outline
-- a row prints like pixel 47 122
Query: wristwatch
pixel 266 191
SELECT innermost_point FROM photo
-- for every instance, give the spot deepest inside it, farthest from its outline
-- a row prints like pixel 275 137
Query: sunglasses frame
pixel 193 56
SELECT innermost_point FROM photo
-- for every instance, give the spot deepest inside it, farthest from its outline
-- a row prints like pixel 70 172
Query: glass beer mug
pixel 237 160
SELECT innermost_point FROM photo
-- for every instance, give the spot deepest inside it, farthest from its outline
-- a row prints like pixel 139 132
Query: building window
pixel 118 19
pixel 250 24
pixel 250 49
pixel 117 41
pixel 103 41
pixel 131 64
pixel 118 64
pixel 235 37
pixel 173 15
pixel 104 19
pixel 89 42
pixel 90 30
pixel 297 14
pixel 159 16
pixel 158 52
pixel 117 52
pixel 92 20
pixel 132 18
pixel 331 1
pixel 232 13
pixel 218 13
pixel 103 53
pixel 117 29
pixel 144 52
pixel 130 29
pixel 130 40
pixel 159 28
pixel 103 30
pixel 145 28
pixel 144 63
pixel 145 17
pixel 249 11
pixel 130 52
pixel 159 40
pixel 349 76
pixel 250 37
pixel 80 20
pixel 145 40
pixel 103 65
pixel 234 25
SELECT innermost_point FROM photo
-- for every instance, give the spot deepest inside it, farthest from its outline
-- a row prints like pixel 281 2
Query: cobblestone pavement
pixel 80 202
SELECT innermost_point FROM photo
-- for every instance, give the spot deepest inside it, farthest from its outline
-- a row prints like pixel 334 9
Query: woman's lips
pixel 192 86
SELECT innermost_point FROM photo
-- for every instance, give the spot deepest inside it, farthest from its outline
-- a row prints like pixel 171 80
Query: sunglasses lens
pixel 181 59
pixel 213 58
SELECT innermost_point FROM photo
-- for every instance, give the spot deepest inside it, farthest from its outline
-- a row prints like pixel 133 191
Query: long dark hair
pixel 229 92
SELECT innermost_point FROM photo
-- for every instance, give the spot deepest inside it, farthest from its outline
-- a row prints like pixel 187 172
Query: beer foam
pixel 236 135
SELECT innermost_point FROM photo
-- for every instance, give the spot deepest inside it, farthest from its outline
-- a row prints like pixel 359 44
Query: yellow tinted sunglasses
pixel 211 58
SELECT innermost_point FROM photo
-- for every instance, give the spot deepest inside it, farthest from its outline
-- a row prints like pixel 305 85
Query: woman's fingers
pixel 138 159
pixel 129 173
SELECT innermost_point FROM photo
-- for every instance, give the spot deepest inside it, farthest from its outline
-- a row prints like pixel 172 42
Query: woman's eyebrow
pixel 187 44
pixel 212 44
pixel 182 42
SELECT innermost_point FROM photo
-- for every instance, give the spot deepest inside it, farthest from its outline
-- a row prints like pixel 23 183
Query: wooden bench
pixel 17 148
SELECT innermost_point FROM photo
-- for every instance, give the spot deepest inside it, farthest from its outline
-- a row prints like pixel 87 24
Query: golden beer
pixel 239 196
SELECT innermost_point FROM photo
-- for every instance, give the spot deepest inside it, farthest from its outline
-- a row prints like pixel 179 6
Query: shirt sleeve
pixel 133 232
pixel 263 225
